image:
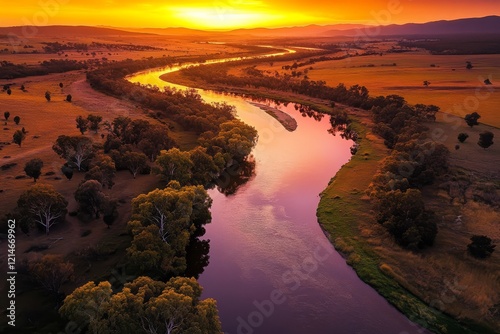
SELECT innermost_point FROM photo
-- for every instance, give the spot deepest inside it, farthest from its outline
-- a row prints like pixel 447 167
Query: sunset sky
pixel 229 14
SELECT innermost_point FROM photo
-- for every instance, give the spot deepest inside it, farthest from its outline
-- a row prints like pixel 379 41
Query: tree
pixel 163 222
pixel 481 246
pixel 135 162
pixel 462 137
pixel 61 85
pixel 82 124
pixel 77 150
pixel 47 96
pixel 50 272
pixel 468 65
pixel 485 139
pixel 86 305
pixel 204 169
pixel 405 217
pixel 9 91
pixel 143 306
pixel 102 169
pixel 17 119
pixel 110 212
pixel 90 197
pixel 18 137
pixel 95 122
pixel 33 168
pixel 155 139
pixel 6 115
pixel 43 205
pixel 174 165
pixel 472 119
pixel 69 98
pixel 426 83
pixel 67 171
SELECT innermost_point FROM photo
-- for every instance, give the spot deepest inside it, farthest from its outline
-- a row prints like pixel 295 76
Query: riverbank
pixel 345 215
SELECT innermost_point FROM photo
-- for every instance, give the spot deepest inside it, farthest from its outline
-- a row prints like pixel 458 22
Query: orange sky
pixel 229 14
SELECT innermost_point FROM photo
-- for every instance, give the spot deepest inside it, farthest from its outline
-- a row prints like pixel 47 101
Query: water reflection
pixel 197 256
pixel 235 176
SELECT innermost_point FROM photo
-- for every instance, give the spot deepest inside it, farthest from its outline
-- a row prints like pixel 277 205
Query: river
pixel 272 270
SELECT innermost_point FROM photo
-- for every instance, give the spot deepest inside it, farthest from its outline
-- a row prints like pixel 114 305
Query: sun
pixel 220 17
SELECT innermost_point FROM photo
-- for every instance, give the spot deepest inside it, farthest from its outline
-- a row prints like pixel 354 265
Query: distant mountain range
pixel 485 25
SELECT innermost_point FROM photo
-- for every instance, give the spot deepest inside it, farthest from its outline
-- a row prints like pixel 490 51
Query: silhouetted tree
pixel 462 137
pixel 485 139
pixel 6 115
pixel 468 65
pixel 33 168
pixel 67 171
pixel 82 124
pixel 17 119
pixel 472 119
pixel 481 246
pixel 18 137
pixel 69 98
pixel 9 91
pixel 47 96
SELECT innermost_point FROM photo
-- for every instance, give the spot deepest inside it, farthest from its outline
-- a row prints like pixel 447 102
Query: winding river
pixel 272 270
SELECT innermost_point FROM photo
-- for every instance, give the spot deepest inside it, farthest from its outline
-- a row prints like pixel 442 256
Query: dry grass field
pixel 453 88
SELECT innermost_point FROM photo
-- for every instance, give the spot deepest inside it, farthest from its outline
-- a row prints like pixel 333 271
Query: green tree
pixel 90 197
pixel 204 169
pixel 17 119
pixel 481 246
pixel 405 217
pixel 95 122
pixel 174 165
pixel 486 139
pixel 102 169
pixel 87 305
pixel 43 205
pixel 50 272
pixel 235 140
pixel 155 139
pixel 462 137
pixel 76 150
pixel 176 214
pixel 135 162
pixel 472 119
pixel 144 306
pixel 18 137
pixel 82 124
pixel 33 168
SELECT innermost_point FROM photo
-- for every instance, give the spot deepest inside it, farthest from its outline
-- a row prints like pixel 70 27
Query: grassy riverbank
pixel 344 212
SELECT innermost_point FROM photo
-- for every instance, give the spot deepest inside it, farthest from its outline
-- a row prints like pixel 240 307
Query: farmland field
pixel 453 88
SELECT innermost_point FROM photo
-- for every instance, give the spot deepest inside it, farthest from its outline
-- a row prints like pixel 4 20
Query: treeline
pixel 10 70
pixel 463 45
pixel 356 96
pixel 56 47
pixel 185 107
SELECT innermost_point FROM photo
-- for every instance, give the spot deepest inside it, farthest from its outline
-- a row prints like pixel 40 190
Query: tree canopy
pixel 143 306
pixel 43 205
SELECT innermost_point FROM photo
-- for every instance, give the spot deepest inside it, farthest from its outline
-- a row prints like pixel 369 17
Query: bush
pixel 481 247
pixel 462 137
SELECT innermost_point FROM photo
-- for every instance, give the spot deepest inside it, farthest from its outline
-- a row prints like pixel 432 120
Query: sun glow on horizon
pixel 234 14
